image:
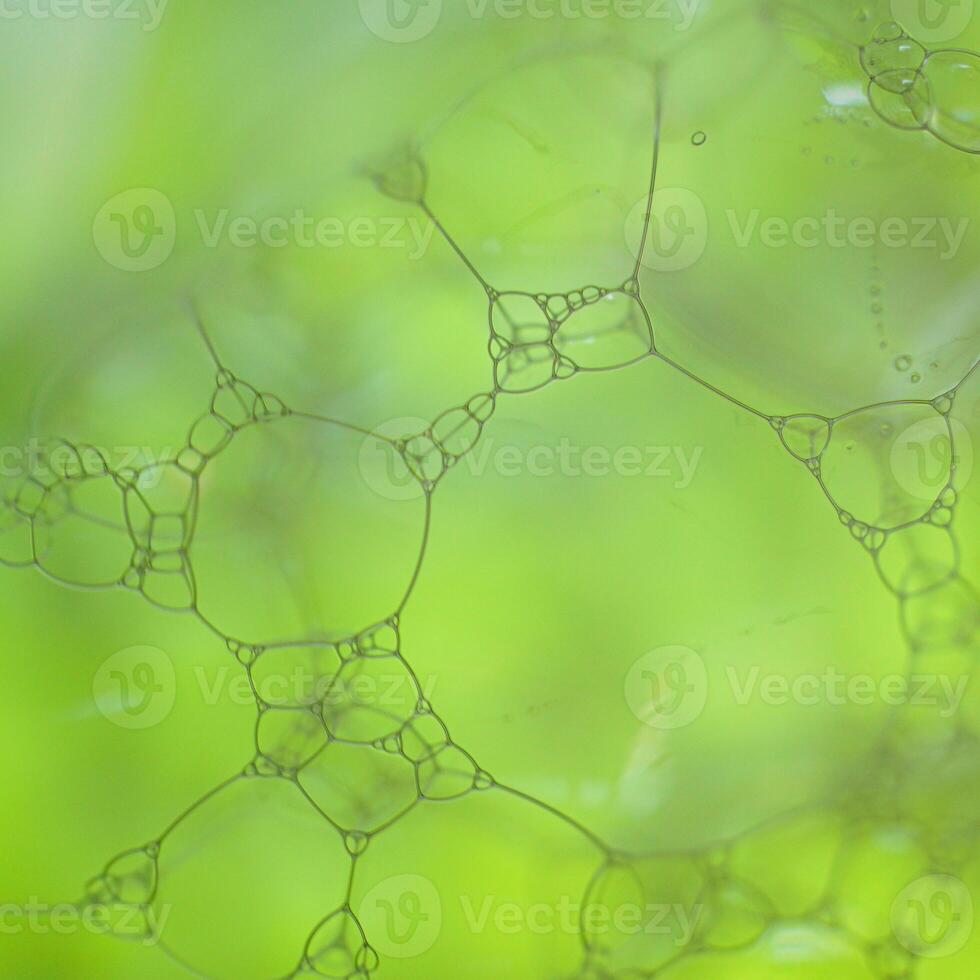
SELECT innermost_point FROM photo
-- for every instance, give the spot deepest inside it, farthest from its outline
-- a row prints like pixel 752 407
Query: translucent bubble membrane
pixel 352 761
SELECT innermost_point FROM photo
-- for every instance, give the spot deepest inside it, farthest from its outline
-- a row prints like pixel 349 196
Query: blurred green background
pixel 543 581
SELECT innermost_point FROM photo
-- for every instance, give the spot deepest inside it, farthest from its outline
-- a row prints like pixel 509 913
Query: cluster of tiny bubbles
pixel 362 765
pixel 912 88
pixel 537 338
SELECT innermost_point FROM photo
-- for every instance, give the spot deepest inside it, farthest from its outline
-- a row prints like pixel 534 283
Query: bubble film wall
pixel 729 733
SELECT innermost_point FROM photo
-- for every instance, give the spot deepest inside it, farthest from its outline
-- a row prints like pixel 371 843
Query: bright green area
pixel 599 520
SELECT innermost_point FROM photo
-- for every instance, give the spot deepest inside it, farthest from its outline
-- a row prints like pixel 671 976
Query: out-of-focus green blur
pixel 170 163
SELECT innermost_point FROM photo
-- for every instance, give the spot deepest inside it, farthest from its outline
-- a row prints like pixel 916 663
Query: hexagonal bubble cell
pixel 360 787
pixel 525 368
pixel 447 774
pixel 611 332
pixel 160 489
pixel 371 698
pixel 919 558
pixel 519 319
pixel 561 223
pixel 296 537
pixel 80 532
pixel 423 737
pixel 289 737
pixel 259 865
pixel 874 466
pixel 295 675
